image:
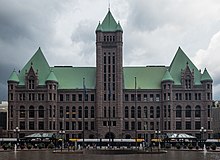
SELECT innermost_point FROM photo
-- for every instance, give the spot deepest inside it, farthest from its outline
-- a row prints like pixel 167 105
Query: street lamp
pixel 62 133
pixel 16 131
pixel 157 132
pixel 202 131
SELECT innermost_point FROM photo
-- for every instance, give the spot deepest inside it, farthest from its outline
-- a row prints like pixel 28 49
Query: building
pixel 3 118
pixel 216 119
pixel 110 100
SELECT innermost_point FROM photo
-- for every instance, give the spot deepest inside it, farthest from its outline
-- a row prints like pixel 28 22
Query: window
pixel 67 97
pixel 105 112
pixel 132 97
pixel 41 125
pixel 145 112
pixel 139 125
pixel 80 112
pixel 209 111
pixel 92 97
pixel 61 112
pixel 126 112
pixel 79 97
pixel 11 111
pixel 145 97
pixel 92 112
pixel 126 97
pixel 73 112
pixel 31 112
pixel 151 112
pixel 151 97
pixel 31 83
pixel 73 125
pixel 41 112
pixel 92 126
pixel 157 97
pixel 22 112
pixel 79 125
pixel 188 111
pixel 198 111
pixel 67 112
pixel 188 125
pixel 86 112
pixel 113 112
pixel 151 125
pixel 22 125
pixel 178 111
pixel 67 126
pixel 178 125
pixel 86 126
pixel 197 124
pixel 132 112
pixel 73 97
pixel 165 111
pixel 31 125
pixel 158 112
pixel 61 97
pixel 139 97
pixel 139 112
pixel 126 126
pixel 132 125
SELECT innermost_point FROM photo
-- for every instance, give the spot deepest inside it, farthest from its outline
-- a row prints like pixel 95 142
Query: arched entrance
pixel 110 135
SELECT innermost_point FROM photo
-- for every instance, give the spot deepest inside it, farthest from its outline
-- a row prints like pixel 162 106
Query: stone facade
pixel 123 102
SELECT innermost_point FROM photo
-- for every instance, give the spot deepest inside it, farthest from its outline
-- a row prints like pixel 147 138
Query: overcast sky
pixel 153 31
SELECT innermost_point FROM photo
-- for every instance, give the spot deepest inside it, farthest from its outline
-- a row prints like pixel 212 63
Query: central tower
pixel 109 81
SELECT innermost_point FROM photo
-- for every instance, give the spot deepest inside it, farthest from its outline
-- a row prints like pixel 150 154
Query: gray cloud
pixel 65 30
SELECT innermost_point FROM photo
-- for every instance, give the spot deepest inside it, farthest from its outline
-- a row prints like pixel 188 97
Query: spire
pixel 167 77
pixel 109 24
pixel 119 28
pixel 52 77
pixel 13 77
pixel 206 76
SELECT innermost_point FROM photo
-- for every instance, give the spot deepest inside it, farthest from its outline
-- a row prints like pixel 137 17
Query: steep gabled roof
pixel 206 76
pixel 39 64
pixel 179 63
pixel 13 77
pixel 146 77
pixel 167 76
pixel 109 24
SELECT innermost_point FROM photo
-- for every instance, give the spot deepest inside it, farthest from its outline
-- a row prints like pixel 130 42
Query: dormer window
pixel 188 82
pixel 31 83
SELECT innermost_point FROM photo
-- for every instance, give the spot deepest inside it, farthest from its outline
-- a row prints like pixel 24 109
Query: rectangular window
pixel 132 97
pixel 31 125
pixel 86 126
pixel 73 125
pixel 73 97
pixel 61 97
pixel 79 125
pixel 126 97
pixel 67 126
pixel 197 125
pixel 79 97
pixel 188 125
pixel 41 125
pixel 22 125
pixel 151 97
pixel 126 126
pixel 178 125
pixel 92 97
pixel 145 97
pixel 139 97
pixel 92 126
pixel 67 97
pixel 157 97
pixel 132 125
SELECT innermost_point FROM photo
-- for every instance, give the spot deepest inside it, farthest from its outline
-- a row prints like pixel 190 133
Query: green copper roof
pixel 146 77
pixel 179 63
pixel 99 27
pixel 72 77
pixel 39 64
pixel 167 77
pixel 52 77
pixel 206 76
pixel 109 24
pixel 13 77
pixel 119 28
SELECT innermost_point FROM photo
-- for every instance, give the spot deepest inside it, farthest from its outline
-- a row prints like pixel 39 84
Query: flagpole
pixel 135 106
pixel 109 114
pixel 83 115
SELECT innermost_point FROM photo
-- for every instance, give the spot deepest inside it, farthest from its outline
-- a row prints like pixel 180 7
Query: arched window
pixel 86 112
pixel 139 111
pixel 73 112
pixel 50 111
pixel 61 112
pixel 41 112
pixel 126 111
pixel 92 112
pixel 22 112
pixel 67 112
pixel 145 112
pixel 198 111
pixel 151 112
pixel 132 112
pixel 158 112
pixel 31 112
pixel 178 111
pixel 188 111
pixel 80 112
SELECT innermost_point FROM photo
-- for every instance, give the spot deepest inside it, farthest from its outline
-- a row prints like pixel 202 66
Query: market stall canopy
pixel 180 136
